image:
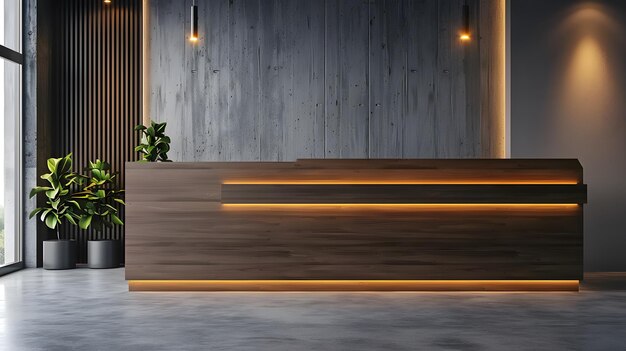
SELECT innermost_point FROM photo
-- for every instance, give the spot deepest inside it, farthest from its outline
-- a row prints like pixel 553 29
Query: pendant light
pixel 193 36
pixel 466 34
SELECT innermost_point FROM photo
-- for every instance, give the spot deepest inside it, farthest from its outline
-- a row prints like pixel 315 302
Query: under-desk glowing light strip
pixel 353 285
pixel 400 182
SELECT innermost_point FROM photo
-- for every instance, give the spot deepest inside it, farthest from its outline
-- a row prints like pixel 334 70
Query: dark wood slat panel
pixel 93 69
pixel 403 194
pixel 186 233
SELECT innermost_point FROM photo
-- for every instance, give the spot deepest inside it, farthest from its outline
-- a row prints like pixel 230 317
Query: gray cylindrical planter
pixel 59 254
pixel 103 253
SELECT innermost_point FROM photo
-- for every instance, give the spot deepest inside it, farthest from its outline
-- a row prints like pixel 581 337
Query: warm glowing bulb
pixel 466 37
pixel 107 1
pixel 193 33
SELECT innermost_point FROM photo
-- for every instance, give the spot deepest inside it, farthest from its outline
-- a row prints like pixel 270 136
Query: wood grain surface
pixel 178 228
pixel 402 194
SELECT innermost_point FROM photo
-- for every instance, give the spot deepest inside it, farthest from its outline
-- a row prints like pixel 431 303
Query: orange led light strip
pixel 402 182
pixel 439 205
pixel 353 285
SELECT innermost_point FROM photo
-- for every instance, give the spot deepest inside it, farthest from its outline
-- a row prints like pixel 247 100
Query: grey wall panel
pixel 167 26
pixel 347 67
pixel 29 129
pixel 419 137
pixel 448 119
pixel 473 90
pixel 303 124
pixel 212 137
pixel 287 79
pixel 568 78
pixel 275 77
pixel 388 77
pixel 244 61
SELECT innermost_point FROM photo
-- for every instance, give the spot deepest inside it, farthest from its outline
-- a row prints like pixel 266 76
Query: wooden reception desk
pixel 324 225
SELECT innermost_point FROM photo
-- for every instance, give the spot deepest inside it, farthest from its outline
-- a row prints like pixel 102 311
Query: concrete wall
pixel 288 79
pixel 29 124
pixel 568 67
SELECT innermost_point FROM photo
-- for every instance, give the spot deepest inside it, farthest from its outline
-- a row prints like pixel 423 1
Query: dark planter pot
pixel 103 253
pixel 59 254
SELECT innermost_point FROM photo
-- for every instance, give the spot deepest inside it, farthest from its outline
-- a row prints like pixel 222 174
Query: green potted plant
pixel 97 201
pixel 58 208
pixel 154 143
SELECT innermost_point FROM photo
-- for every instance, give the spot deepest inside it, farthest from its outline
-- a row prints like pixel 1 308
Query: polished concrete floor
pixel 92 310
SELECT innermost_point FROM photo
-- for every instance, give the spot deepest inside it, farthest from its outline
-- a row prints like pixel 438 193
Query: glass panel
pixel 11 24
pixel 10 116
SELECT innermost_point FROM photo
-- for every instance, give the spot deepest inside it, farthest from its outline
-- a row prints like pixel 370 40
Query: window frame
pixel 16 57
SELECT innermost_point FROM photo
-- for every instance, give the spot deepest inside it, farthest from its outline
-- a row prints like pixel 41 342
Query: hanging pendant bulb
pixel 107 1
pixel 466 24
pixel 466 34
pixel 193 36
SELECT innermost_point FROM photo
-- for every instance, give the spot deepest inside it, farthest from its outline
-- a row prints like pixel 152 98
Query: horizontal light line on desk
pixel 382 205
pixel 353 285
pixel 402 182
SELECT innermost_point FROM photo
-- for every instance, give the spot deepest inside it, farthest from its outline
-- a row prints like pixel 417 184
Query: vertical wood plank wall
pixel 91 88
pixel 285 79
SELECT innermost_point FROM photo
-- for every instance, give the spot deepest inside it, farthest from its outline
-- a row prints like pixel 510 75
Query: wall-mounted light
pixel 465 34
pixel 193 35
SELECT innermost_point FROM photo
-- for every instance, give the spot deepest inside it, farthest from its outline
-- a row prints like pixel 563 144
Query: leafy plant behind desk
pixel 154 143
pixel 60 205
pixel 98 197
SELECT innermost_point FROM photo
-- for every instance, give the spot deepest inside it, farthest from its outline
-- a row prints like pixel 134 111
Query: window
pixel 10 132
pixel 11 29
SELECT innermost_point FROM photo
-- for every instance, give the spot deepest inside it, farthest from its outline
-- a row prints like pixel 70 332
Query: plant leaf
pixel 85 221
pixel 65 164
pixel 70 218
pixel 51 194
pixel 116 220
pixel 44 214
pixel 113 209
pixel 36 190
pixel 52 164
pixel 51 221
pixel 34 212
